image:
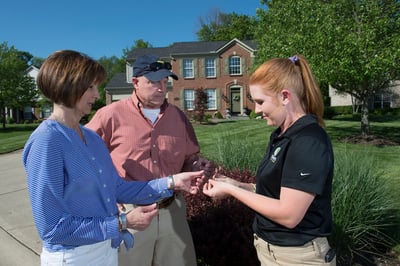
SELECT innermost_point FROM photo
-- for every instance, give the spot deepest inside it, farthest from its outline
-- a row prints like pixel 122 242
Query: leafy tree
pixel 112 65
pixel 37 61
pixel 219 26
pixel 140 43
pixel 17 89
pixel 351 44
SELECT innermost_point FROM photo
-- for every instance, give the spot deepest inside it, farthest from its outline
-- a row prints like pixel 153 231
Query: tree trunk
pixel 3 116
pixel 364 118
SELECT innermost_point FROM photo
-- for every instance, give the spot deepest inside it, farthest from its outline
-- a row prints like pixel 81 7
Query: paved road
pixel 19 242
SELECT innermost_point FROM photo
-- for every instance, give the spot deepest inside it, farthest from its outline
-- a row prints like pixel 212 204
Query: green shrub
pixel 238 153
pixel 218 115
pixel 253 114
pixel 10 120
pixel 365 213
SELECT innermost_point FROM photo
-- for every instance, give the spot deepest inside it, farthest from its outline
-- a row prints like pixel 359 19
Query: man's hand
pixel 189 181
pixel 140 217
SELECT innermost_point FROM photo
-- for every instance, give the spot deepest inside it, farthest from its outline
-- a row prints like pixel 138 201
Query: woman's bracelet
pixel 170 182
pixel 122 222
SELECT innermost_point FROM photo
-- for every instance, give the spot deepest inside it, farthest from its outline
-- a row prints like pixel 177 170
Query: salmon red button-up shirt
pixel 140 149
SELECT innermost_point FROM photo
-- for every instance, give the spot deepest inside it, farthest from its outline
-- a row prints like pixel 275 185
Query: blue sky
pixel 104 28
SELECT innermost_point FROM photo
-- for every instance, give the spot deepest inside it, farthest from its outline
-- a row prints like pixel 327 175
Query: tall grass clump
pixel 234 152
pixel 365 212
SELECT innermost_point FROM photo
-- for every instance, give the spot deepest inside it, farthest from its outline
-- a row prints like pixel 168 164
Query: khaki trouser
pixel 167 241
pixel 312 253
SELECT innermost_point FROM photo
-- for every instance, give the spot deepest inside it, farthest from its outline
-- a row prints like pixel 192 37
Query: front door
pixel 235 100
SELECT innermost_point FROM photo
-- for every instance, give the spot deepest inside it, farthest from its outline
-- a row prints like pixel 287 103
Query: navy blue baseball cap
pixel 152 68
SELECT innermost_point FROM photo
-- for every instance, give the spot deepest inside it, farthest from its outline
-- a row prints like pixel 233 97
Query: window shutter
pixel 217 70
pixel 202 68
pixel 195 68
pixel 182 99
pixel 180 61
pixel 218 97
pixel 226 67
pixel 244 70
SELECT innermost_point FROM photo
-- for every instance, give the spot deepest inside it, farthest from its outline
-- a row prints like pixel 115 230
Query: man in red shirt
pixel 147 137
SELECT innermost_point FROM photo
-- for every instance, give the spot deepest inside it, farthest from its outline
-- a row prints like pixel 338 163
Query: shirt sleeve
pixel 307 164
pixel 142 192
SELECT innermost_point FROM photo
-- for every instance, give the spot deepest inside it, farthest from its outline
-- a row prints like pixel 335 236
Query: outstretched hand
pixel 216 189
pixel 189 181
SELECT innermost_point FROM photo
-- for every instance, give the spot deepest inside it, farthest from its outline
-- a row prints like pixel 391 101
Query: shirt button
pixel 154 145
pixel 93 158
pixel 108 199
pixel 100 171
pixel 155 161
pixel 104 185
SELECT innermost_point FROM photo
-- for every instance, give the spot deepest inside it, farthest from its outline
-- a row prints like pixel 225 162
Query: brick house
pixel 222 68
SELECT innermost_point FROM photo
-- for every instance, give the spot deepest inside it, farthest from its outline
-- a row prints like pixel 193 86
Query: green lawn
pixel 14 136
pixel 256 132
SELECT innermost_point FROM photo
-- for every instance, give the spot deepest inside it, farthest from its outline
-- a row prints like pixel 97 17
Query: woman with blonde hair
pixel 292 194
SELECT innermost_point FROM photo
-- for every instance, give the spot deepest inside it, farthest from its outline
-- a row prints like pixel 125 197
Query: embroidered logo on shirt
pixel 304 174
pixel 276 152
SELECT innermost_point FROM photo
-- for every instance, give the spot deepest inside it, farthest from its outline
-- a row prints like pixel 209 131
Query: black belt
pixel 164 203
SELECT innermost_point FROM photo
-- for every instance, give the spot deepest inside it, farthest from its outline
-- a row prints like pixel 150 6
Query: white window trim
pixel 213 67
pixel 185 68
pixel 234 66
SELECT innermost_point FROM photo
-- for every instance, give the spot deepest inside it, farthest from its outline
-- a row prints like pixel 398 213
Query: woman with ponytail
pixel 292 194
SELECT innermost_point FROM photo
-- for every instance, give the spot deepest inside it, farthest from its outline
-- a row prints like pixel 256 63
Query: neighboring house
pixel 222 68
pixel 36 113
pixel 28 113
pixel 389 98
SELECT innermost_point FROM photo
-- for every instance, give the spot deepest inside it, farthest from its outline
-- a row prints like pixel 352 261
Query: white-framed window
pixel 235 66
pixel 212 99
pixel 210 67
pixel 188 68
pixel 382 100
pixel 188 97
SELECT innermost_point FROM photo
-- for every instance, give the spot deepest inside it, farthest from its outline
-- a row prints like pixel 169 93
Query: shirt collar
pixel 139 105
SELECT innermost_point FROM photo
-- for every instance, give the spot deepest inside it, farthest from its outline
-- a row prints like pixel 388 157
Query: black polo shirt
pixel 302 159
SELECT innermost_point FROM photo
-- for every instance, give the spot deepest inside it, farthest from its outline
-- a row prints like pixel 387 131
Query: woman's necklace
pixel 76 127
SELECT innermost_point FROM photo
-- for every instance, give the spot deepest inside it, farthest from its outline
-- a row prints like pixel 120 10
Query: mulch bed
pixel 373 140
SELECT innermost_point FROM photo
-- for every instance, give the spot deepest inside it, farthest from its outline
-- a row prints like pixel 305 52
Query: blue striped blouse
pixel 74 187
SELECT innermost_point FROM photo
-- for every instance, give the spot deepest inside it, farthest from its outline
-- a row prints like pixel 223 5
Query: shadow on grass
pixel 18 128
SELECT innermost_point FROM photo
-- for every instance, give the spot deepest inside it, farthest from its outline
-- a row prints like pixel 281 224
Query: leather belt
pixel 164 203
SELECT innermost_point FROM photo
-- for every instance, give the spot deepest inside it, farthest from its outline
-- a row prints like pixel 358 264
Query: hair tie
pixel 294 59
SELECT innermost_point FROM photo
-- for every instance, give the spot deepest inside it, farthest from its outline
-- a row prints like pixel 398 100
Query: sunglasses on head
pixel 159 65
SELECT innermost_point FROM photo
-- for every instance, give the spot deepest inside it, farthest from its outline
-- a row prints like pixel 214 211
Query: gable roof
pixel 118 81
pixel 190 48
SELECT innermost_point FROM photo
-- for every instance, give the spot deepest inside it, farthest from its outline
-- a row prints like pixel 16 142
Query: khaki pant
pixel 312 253
pixel 167 241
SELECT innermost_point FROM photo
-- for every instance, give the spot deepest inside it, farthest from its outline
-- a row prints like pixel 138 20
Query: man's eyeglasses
pixel 158 65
